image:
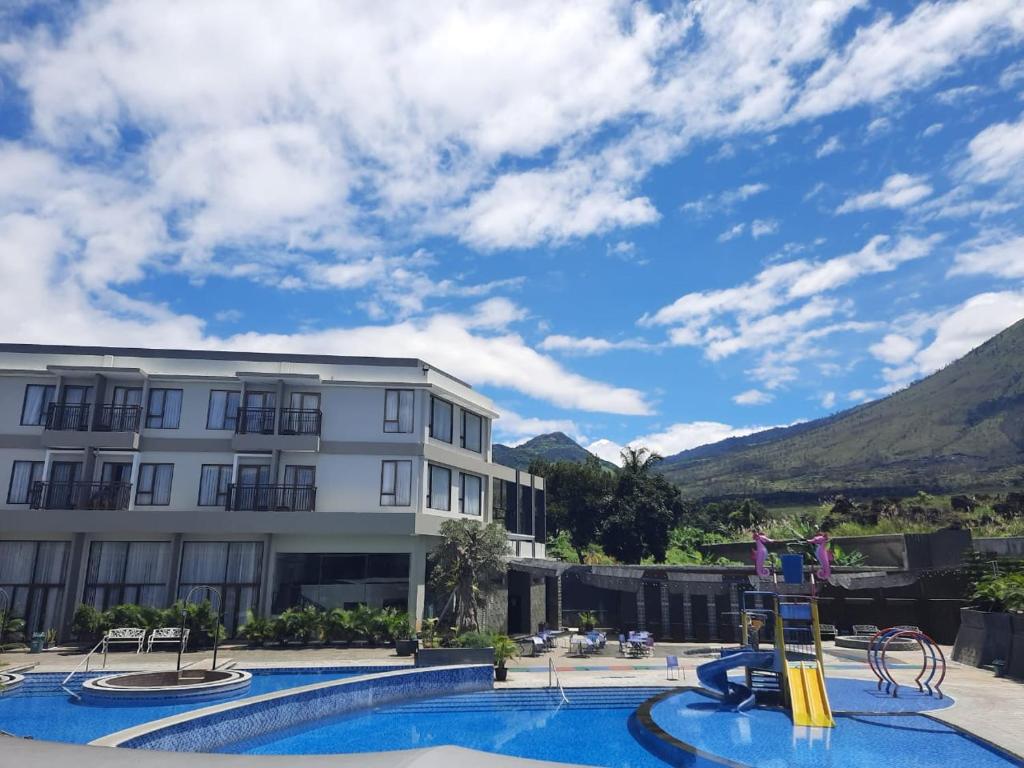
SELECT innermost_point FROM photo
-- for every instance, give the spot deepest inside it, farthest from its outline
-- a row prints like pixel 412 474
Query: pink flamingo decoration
pixel 760 553
pixel 824 555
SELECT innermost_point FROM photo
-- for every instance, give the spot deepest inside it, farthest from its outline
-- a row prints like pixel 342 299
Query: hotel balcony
pixel 297 429
pixel 80 495
pixel 271 498
pixel 83 425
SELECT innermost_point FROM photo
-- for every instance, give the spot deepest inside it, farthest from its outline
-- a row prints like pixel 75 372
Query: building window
pixel 154 484
pixel 341 580
pixel 440 419
pixel 214 480
pixel 439 495
pixel 32 574
pixel 470 492
pixel 127 572
pixel 472 432
pixel 164 410
pixel 38 398
pixel 223 410
pixel 398 410
pixel 23 475
pixel 395 483
pixel 233 568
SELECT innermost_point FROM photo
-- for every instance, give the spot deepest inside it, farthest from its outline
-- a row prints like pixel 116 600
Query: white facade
pixel 127 475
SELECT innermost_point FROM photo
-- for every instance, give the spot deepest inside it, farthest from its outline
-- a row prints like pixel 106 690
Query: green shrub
pixel 304 623
pixel 87 623
pixel 339 626
pixel 1002 592
pixel 474 640
pixel 256 630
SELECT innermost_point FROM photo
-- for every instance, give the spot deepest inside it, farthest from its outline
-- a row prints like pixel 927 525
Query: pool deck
pixel 991 708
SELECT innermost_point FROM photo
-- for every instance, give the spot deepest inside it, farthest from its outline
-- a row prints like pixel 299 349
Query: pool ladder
pixel 554 681
pixel 85 661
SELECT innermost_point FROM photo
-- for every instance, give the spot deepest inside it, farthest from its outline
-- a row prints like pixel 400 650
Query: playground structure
pixel 793 668
pixel 933 660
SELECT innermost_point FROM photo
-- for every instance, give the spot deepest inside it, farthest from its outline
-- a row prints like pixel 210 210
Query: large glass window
pixel 164 411
pixel 36 404
pixel 439 495
pixel 440 419
pixel 223 410
pixel 23 475
pixel 470 492
pixel 232 567
pixel 154 484
pixel 127 572
pixel 32 575
pixel 341 580
pixel 214 480
pixel 472 432
pixel 395 483
pixel 398 410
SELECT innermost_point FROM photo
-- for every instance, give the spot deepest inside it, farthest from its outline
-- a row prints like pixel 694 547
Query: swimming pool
pixel 40 709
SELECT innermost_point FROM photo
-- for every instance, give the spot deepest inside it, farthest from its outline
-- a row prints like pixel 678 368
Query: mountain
pixel 556 446
pixel 962 428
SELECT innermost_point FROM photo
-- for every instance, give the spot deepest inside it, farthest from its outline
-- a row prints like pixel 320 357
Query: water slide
pixel 808 697
pixel 715 675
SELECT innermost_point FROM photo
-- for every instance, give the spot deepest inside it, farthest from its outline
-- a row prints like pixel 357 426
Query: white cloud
pixel 1004 257
pixel 996 153
pixel 762 227
pixel 878 126
pixel 590 345
pixel 900 190
pixel 514 429
pixel 975 321
pixel 228 315
pixel 724 201
pixel 953 96
pixel 830 147
pixel 732 233
pixel 931 130
pixel 894 349
pixel 753 397
pixel 625 250
pixel 678 437
pixel 607 449
pixel 828 401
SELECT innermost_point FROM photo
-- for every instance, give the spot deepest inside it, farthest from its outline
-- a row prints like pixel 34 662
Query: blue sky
pixel 656 223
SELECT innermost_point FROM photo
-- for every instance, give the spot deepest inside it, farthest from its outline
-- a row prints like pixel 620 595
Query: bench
pixel 167 635
pixel 124 636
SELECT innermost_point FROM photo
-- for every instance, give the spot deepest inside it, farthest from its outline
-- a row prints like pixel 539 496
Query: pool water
pixel 49 713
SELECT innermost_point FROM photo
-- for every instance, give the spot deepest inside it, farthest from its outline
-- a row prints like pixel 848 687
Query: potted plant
pixel 256 630
pixel 400 632
pixel 51 638
pixel 505 648
pixel 428 633
pixel 588 620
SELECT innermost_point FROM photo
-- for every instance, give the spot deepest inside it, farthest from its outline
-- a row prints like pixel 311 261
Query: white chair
pixel 124 636
pixel 865 629
pixel 167 635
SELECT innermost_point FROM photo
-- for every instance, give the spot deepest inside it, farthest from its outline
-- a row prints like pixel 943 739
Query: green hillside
pixel 556 446
pixel 961 428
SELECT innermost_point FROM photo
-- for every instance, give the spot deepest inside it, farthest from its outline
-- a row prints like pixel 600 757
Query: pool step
pixel 543 698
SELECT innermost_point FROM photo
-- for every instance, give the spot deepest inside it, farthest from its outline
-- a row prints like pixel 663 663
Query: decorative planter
pixel 501 674
pixel 447 657
pixel 984 637
pixel 405 647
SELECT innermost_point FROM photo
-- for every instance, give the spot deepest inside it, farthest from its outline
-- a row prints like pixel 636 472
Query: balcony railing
pixel 80 495
pixel 274 498
pixel 255 421
pixel 68 418
pixel 299 421
pixel 118 418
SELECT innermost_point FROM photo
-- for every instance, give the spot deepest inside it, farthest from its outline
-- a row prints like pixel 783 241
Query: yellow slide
pixel 807 695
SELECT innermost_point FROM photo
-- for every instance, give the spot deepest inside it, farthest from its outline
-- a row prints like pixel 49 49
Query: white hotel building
pixel 131 475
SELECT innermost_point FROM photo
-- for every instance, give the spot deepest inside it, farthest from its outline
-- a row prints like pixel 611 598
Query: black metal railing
pixel 80 495
pixel 279 498
pixel 118 418
pixel 255 421
pixel 299 421
pixel 67 417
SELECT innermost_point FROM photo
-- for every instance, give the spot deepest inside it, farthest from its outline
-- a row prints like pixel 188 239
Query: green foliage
pixel 466 564
pixel 556 446
pixel 473 639
pixel 576 496
pixel 256 629
pixel 588 618
pixel 395 625
pixel 303 623
pixel 11 626
pixel 87 622
pixel 1001 592
pixel 504 649
pixel 339 626
pixel 642 511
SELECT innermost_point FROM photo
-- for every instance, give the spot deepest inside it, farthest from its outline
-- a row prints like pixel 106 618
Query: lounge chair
pixel 124 636
pixel 865 629
pixel 169 635
pixel 827 631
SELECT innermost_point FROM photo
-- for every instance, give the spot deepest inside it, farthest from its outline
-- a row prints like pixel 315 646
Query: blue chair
pixel 671 667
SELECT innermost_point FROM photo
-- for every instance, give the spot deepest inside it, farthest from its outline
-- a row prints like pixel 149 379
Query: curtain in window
pixel 223 413
pixel 23 475
pixel 172 408
pixel 244 560
pixel 403 483
pixel 472 431
pixel 16 561
pixel 37 402
pixel 441 420
pixel 212 483
pixel 147 562
pixel 470 494
pixel 162 483
pixel 203 562
pixel 107 561
pixel 440 488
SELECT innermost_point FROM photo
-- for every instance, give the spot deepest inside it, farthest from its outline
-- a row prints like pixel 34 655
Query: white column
pixel 417 583
pixel 134 480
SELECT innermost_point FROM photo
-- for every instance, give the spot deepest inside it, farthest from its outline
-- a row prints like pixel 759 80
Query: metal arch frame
pixel 931 657
pixel 220 620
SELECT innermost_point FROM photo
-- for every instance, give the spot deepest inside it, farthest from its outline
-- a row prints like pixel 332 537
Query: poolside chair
pixel 169 635
pixel 911 627
pixel 671 667
pixel 865 629
pixel 827 631
pixel 124 636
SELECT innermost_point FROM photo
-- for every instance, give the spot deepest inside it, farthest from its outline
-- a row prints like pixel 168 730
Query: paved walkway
pixel 991 708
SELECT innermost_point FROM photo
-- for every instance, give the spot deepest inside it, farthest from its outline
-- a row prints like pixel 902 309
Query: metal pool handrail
pixel 553 673
pixel 74 671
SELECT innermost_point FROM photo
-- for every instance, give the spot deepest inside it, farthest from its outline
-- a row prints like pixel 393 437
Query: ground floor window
pixel 32 575
pixel 331 580
pixel 232 567
pixel 127 572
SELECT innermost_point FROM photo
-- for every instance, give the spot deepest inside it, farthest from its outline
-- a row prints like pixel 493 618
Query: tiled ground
pixel 989 707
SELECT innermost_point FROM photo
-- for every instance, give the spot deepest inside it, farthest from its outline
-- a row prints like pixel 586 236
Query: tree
pixel 576 495
pixel 750 514
pixel 642 511
pixel 469 559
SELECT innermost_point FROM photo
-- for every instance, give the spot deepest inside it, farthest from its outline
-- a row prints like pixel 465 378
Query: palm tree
pixel 639 461
pixel 470 558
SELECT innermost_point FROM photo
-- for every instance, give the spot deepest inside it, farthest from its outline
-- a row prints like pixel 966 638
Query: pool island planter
pixel 165 687
pixel 985 636
pixel 445 657
pixel 225 725
pixel 10 682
